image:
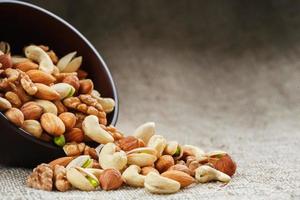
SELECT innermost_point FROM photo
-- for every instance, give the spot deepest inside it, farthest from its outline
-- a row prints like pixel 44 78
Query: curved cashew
pixel 156 183
pixel 81 161
pixel 109 158
pixel 133 177
pixel 39 55
pixel 48 106
pixel 108 104
pixel 206 173
pixel 82 179
pixel 159 143
pixel 195 151
pixel 144 156
pixel 93 130
pixel 68 64
pixel 145 131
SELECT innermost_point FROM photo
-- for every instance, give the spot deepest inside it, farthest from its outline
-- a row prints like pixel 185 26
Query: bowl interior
pixel 24 24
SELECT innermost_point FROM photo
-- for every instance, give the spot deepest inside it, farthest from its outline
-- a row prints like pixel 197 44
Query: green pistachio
pixel 60 140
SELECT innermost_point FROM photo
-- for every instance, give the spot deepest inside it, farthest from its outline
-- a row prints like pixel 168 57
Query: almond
pixel 63 161
pixel 32 110
pixel 26 66
pixel 15 116
pixel 147 170
pixel 74 135
pixel 4 104
pixel 38 76
pixel 52 124
pixel 33 127
pixel 46 93
pixel 14 99
pixel 183 178
pixel 69 119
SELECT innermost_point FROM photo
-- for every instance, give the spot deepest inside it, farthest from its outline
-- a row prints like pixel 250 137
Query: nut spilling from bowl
pixel 159 166
pixel 52 99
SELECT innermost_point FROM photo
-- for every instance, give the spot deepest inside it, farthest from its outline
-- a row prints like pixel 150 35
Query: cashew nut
pixel 145 131
pixel 82 179
pixel 156 183
pixel 108 104
pixel 133 177
pixel 39 55
pixel 84 161
pixel 206 173
pixel 109 158
pixel 159 143
pixel 194 151
pixel 68 64
pixel 48 106
pixel 93 130
pixel 144 156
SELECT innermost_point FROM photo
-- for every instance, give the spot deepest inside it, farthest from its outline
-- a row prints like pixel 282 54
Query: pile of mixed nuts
pixel 52 99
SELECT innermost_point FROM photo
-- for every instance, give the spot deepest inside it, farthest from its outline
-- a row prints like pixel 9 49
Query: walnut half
pixel 41 177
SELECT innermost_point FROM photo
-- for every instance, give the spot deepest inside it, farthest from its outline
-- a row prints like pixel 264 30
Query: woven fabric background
pixel 217 75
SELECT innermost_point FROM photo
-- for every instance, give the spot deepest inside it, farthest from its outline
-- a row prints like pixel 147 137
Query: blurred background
pixel 194 66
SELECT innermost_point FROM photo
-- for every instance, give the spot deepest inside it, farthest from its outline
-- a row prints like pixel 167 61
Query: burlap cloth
pixel 221 78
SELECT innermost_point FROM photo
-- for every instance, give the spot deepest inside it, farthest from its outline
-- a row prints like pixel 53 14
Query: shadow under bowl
pixel 23 24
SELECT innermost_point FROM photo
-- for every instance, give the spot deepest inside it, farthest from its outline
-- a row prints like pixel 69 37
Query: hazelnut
pixel 223 163
pixel 164 163
pixel 74 135
pixel 69 119
pixel 81 74
pixel 111 179
pixel 32 110
pixel 5 60
pixel 52 124
pixel 86 86
pixel 15 116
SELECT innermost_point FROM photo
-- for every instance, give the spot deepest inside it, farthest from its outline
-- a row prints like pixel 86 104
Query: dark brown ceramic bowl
pixel 22 24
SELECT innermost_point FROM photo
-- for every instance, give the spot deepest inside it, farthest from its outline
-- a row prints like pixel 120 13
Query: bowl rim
pixel 80 35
